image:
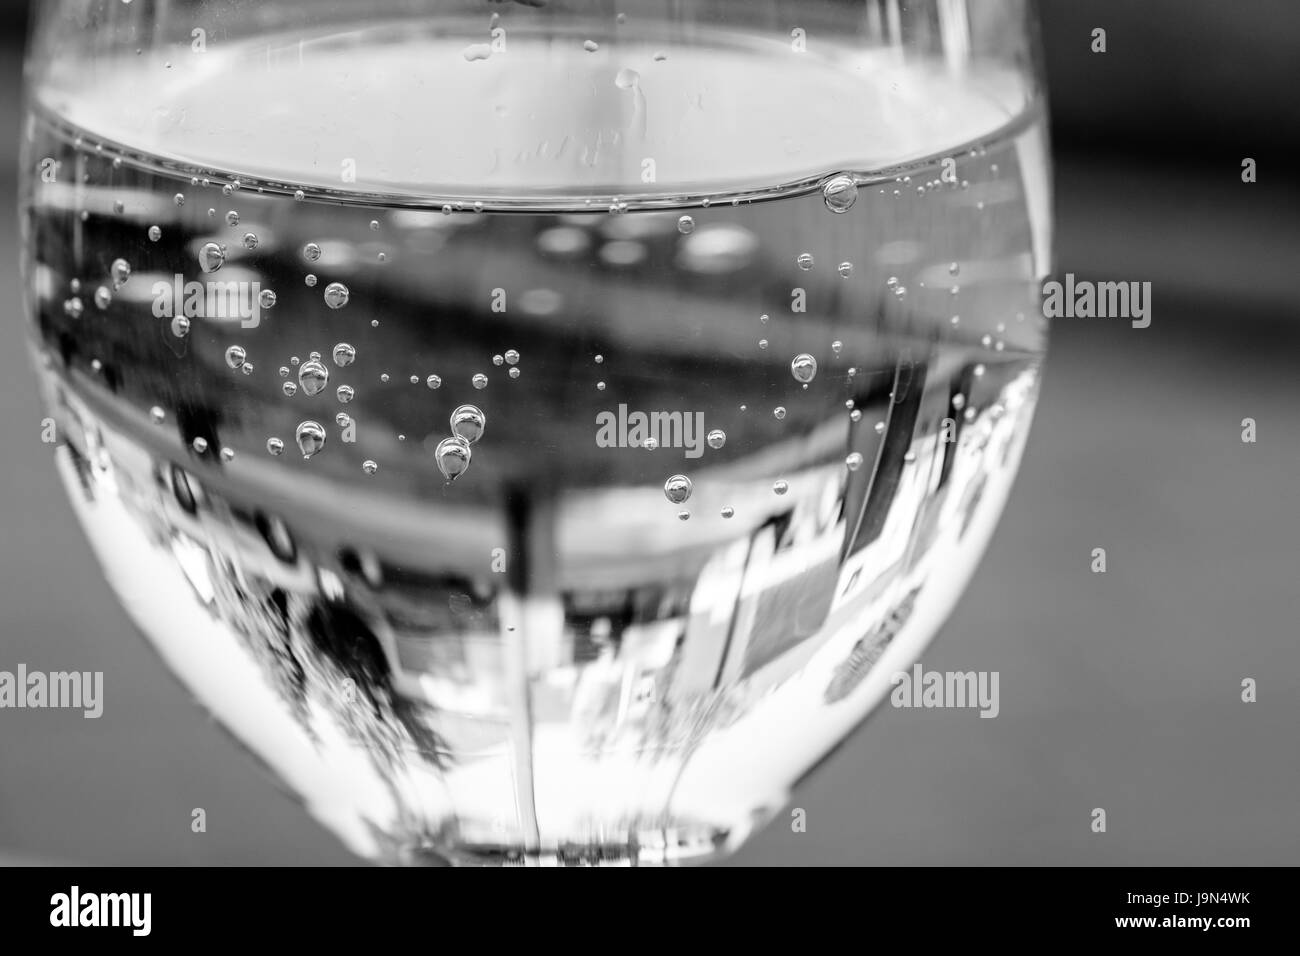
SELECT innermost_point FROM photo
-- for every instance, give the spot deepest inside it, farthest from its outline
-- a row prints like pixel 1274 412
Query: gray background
pixel 1119 690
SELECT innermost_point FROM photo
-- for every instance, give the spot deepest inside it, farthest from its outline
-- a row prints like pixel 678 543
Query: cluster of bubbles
pixel 453 454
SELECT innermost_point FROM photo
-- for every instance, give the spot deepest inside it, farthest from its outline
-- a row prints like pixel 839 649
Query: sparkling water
pixel 683 390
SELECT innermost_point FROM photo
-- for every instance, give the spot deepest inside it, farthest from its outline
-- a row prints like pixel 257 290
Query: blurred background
pixel 1119 690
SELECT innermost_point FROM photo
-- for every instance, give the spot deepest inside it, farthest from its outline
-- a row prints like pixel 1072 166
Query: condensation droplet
pixel 678 488
pixel 840 194
pixel 310 437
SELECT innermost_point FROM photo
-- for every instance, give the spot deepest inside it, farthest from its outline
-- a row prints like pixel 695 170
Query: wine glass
pixel 537 430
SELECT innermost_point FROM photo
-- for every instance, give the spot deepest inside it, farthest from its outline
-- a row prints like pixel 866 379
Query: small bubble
pixel 803 367
pixel 840 194
pixel 955 320
pixel 211 257
pixel 853 462
pixel 512 357
pixel 103 297
pixel 780 486
pixel 311 252
pixel 728 511
pixel 433 381
pixel 179 199
pixel 600 386
pixel 686 225
pixel 678 488
pixel 591 46
pixel 232 218
pixel 310 280
pixel 452 456
pixel 73 308
pixel 684 515
pixel 650 444
pixel 344 393
pixel 514 373
pixel 227 454
pixel 959 401
pixel 227 190
pixel 374 225
pixel 336 295
pixel 120 270
pixel 294 360
pixel 968 415
pixel 845 269
pixel 383 257
pixel 247 368
pixel 717 438
pixel 805 262
pixel 837 346
pixel 765 318
pixel 74 286
pixel 599 359
pixel 310 437
pixel 284 371
pixel 779 412
pixel 250 240
pixel 909 456
pixel 979 371
pixel 369 467
pixel 986 340
pixel 498 359
pixel 855 415
pixel 762 343
pixel 299 195
pixel 199 444
pixel 479 380
pixel 415 380
pixel 953 268
pixel 235 356
pixel 212 213
pixel 879 428
pixel 290 389
pixel 157 415
pixel 384 377
pixel 180 326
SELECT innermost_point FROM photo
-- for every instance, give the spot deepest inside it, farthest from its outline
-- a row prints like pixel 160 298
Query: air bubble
pixel 275 446
pixel 452 456
pixel 805 262
pixel 728 511
pixel 678 488
pixel 157 415
pixel 180 326
pixel 227 454
pixel 155 233
pixel 179 199
pixel 313 377
pixel 979 371
pixel 717 438
pixel 232 218
pixel 837 346
pixel 683 515
pixel 310 437
pixel 853 462
pixel 120 270
pixel 103 297
pixel 514 373
pixel 433 381
pixel 512 357
pixel 336 295
pixel 468 422
pixel 199 444
pixel 686 225
pixel 591 46
pixel 311 252
pixel 369 467
pixel 845 269
pixel 72 307
pixel 235 356
pixel 290 389
pixel 650 444
pixel 211 257
pixel 498 359
pixel 250 240
pixel 344 393
pixel 840 194
pixel 779 412
pixel 310 280
pixel 803 367
pixel 479 380
pixel 780 486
